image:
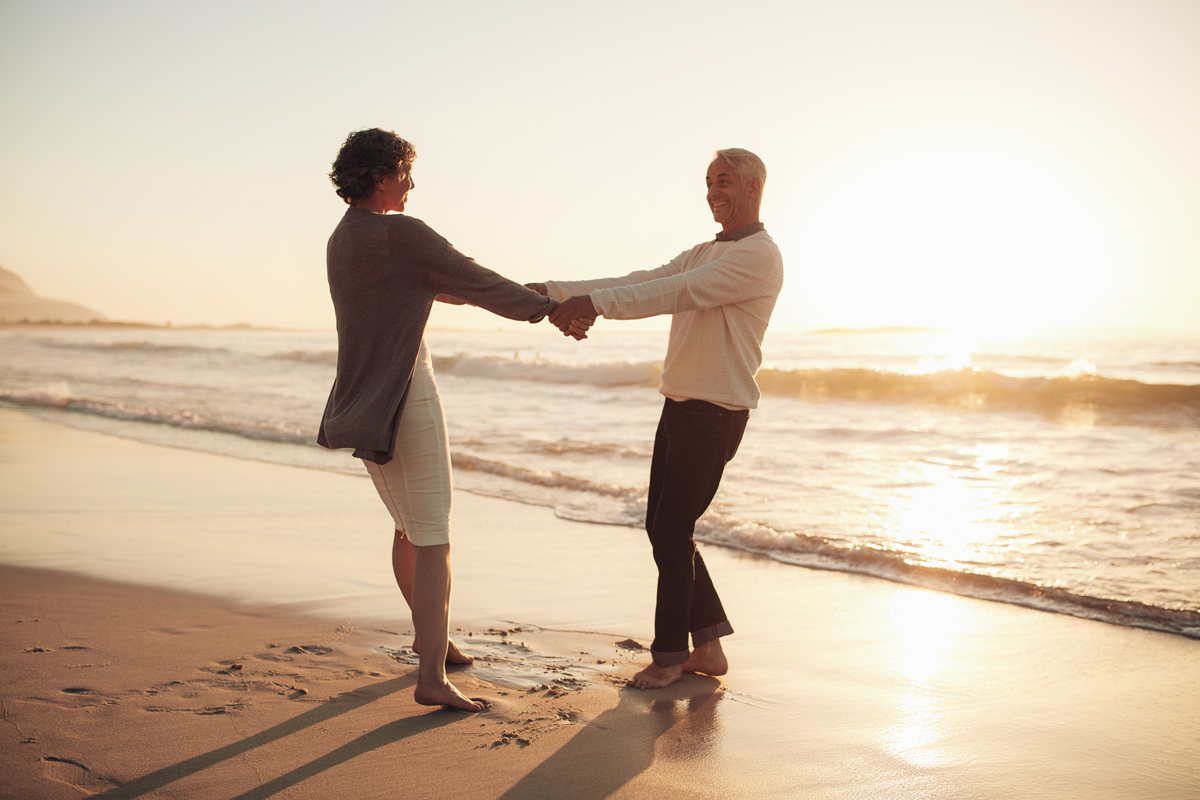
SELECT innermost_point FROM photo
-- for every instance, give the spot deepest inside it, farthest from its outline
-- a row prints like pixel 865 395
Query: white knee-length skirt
pixel 415 485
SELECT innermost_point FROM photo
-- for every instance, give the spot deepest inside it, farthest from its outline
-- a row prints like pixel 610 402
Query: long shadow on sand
pixel 620 744
pixel 373 740
pixel 341 704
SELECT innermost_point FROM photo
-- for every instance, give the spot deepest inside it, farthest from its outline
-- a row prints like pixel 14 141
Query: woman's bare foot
pixel 447 695
pixel 709 659
pixel 453 654
pixel 656 677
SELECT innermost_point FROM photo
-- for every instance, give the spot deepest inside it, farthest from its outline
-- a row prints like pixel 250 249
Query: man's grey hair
pixel 747 165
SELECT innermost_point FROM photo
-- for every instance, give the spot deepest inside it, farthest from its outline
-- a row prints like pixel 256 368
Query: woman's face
pixel 393 192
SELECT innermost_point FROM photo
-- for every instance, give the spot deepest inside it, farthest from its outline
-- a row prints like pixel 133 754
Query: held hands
pixel 576 321
pixel 574 316
pixel 578 329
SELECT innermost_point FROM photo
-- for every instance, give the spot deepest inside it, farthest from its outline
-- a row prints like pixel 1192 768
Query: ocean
pixel 1059 471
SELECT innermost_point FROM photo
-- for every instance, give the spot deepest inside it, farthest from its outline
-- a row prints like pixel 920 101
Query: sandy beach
pixel 185 625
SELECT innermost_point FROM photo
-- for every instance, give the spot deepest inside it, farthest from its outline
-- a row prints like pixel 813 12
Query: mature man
pixel 721 294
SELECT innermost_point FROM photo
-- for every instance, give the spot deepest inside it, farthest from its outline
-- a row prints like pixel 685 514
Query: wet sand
pixel 178 624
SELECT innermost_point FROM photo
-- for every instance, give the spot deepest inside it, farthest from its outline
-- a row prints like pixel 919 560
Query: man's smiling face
pixel 734 202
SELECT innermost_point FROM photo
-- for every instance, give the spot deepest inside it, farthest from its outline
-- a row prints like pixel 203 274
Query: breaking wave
pixel 323 357
pixel 969 388
pixel 957 385
pixel 821 553
pixel 965 388
pixel 130 345
pixel 816 552
pixel 59 396
pixel 614 373
pixel 540 478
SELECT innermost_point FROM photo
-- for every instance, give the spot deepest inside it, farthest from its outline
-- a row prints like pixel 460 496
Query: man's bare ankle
pixel 708 659
pixel 653 676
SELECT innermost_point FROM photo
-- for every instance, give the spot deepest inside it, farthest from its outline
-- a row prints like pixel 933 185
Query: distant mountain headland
pixel 18 303
pixel 19 306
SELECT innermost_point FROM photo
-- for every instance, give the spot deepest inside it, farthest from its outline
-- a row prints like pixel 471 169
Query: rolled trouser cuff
pixel 700 637
pixel 706 635
pixel 669 659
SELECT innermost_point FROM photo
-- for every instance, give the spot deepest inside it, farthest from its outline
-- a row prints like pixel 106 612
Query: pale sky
pixel 931 162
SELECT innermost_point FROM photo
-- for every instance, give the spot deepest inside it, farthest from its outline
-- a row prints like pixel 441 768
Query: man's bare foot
pixel 656 677
pixel 447 695
pixel 709 659
pixel 453 654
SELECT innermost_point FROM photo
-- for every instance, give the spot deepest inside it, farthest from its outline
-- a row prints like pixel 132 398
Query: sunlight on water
pixel 1078 415
pixel 926 624
pixel 955 348
pixel 1080 368
pixel 928 366
pixel 915 738
pixel 948 517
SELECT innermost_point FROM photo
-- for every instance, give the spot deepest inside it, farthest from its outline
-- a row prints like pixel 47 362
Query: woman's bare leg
pixel 404 560
pixel 431 617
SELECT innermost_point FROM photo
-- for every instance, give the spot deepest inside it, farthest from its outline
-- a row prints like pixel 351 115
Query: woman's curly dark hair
pixel 366 158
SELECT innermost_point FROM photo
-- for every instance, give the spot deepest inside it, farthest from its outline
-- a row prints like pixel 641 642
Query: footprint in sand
pixel 86 697
pixel 72 773
pixel 52 649
pixel 310 650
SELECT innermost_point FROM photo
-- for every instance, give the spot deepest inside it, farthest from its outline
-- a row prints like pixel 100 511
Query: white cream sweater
pixel 721 295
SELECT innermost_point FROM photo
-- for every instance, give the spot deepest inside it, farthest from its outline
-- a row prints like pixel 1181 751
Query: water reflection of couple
pixel 385 273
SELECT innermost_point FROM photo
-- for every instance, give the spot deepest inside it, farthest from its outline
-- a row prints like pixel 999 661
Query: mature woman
pixel 385 271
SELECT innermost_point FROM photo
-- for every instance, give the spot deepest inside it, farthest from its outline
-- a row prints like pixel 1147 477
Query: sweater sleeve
pixel 745 271
pixel 561 290
pixel 450 272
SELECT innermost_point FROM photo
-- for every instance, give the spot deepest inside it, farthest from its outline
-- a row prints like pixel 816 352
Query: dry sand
pixel 177 624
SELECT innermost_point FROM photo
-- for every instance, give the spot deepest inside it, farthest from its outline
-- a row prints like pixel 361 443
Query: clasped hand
pixel 574 316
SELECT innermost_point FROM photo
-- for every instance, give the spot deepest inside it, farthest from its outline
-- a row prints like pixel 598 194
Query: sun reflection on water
pixel 926 624
pixel 954 353
pixel 952 515
pixel 925 621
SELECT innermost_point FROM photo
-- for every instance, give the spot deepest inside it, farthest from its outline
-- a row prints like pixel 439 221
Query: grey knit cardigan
pixel 384 272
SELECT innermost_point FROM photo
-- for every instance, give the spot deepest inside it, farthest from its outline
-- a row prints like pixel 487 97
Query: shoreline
pixel 840 685
pixel 875 565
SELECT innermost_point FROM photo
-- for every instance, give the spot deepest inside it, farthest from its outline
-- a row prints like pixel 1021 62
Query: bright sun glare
pixel 963 239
